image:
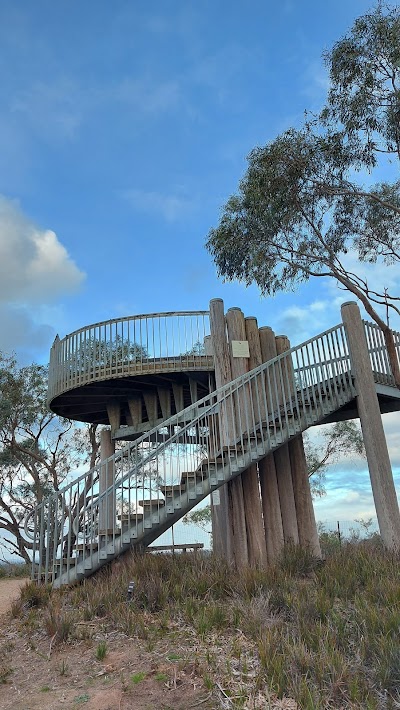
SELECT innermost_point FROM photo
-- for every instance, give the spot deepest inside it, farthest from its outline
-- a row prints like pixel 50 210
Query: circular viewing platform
pixel 131 372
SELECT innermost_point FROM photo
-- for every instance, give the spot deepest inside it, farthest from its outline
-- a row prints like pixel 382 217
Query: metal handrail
pixel 128 346
pixel 378 352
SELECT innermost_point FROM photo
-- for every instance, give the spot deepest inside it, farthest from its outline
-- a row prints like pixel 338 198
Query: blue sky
pixel 124 127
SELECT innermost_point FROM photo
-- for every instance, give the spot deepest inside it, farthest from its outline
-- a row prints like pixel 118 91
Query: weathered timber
pixel 221 513
pixel 267 471
pixel 380 470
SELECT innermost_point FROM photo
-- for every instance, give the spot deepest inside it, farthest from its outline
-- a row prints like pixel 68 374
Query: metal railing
pixel 165 472
pixel 129 346
pixel 378 352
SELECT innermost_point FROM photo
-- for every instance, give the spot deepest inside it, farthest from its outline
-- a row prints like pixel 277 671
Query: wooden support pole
pixel 220 508
pixel 135 410
pixel 282 464
pixel 307 527
pixel 380 470
pixel 251 488
pixel 236 331
pixel 114 416
pixel 107 473
pixel 267 471
pixel 286 494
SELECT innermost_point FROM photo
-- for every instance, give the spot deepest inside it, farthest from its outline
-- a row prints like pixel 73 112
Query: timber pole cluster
pixel 269 504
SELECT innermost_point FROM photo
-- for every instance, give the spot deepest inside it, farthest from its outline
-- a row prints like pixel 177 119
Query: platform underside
pixel 174 390
pixel 389 401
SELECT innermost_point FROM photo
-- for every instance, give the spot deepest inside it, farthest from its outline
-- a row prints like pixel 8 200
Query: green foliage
pixel 200 517
pixel 102 353
pixel 137 678
pixel 38 451
pixel 79 699
pixel 364 99
pixel 101 650
pixel 337 442
pixel 301 206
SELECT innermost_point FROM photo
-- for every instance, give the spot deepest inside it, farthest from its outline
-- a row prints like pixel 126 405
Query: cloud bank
pixel 35 271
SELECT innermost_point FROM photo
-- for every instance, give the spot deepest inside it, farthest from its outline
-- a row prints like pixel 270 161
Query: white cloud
pixel 34 265
pixel 303 322
pixel 170 206
pixel 35 270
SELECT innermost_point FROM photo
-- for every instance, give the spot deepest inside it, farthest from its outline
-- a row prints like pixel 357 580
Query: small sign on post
pixel 216 499
pixel 240 348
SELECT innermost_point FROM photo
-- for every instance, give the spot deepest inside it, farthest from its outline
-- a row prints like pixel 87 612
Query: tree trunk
pixel 392 354
pixel 387 332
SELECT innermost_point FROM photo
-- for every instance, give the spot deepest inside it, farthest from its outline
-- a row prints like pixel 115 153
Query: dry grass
pixel 301 633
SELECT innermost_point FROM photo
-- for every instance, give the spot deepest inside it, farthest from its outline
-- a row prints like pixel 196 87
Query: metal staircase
pixel 160 476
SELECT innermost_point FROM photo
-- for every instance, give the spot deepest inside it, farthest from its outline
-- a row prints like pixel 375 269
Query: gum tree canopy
pixel 38 451
pixel 309 204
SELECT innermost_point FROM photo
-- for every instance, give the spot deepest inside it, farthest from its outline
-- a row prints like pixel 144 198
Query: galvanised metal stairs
pixel 158 478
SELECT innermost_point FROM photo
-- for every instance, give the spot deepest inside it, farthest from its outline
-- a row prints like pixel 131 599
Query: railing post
pixel 107 505
pixel 380 471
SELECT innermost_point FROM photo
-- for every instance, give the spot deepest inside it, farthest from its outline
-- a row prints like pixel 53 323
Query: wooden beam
pixel 114 415
pixel 178 396
pixel 135 410
pixel 193 390
pixel 150 400
pixel 164 395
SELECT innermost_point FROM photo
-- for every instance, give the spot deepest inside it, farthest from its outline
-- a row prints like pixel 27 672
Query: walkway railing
pixel 169 469
pixel 128 346
pixel 378 352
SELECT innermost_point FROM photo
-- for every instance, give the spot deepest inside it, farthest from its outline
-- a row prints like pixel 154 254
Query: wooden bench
pixel 171 548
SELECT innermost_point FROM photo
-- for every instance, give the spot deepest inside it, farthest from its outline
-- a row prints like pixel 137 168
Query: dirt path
pixel 9 591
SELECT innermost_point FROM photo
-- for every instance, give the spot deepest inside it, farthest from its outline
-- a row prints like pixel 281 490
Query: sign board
pixel 240 348
pixel 216 498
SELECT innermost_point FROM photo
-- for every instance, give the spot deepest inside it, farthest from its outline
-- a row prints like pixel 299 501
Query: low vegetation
pixel 8 569
pixel 305 634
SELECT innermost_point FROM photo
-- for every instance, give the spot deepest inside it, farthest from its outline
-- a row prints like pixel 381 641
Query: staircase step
pixel 105 553
pixel 190 476
pixel 170 491
pixel 171 508
pixel 153 503
pixel 65 561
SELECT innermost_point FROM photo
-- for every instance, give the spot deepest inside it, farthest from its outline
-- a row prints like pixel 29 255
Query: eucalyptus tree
pixel 39 452
pixel 310 198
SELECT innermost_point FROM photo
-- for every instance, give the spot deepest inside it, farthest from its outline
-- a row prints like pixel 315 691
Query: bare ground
pixel 9 591
pixel 36 673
